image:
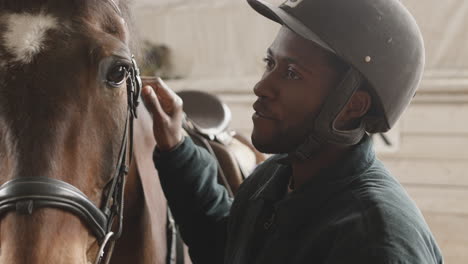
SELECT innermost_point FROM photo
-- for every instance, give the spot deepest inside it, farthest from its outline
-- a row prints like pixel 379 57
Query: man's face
pixel 297 79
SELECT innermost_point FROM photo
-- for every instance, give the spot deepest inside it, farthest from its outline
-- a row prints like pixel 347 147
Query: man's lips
pixel 262 112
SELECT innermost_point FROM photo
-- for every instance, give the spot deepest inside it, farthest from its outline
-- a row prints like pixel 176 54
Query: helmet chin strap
pixel 324 131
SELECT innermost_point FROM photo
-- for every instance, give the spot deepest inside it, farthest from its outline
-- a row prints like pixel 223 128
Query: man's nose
pixel 265 88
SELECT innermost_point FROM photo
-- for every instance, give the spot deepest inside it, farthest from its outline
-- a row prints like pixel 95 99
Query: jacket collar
pixel 318 190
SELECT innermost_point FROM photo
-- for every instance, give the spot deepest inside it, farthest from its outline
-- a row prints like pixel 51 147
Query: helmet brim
pixel 280 16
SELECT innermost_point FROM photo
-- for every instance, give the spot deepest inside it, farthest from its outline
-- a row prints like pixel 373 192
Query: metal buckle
pixel 102 248
pixel 134 85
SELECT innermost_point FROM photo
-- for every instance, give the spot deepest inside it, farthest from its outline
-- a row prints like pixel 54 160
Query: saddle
pixel 207 123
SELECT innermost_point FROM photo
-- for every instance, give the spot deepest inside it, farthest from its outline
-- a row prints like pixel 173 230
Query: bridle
pixel 26 194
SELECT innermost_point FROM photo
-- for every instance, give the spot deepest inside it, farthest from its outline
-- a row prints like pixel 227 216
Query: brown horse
pixel 64 100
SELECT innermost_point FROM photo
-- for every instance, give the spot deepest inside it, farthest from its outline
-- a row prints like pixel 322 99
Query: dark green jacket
pixel 355 212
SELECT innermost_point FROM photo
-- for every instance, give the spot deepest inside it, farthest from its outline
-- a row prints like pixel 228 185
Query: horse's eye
pixel 117 75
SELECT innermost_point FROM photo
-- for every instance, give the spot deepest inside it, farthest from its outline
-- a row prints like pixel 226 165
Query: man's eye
pixel 269 64
pixel 292 75
pixel 117 75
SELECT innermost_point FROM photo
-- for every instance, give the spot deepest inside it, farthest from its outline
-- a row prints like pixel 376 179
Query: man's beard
pixel 285 141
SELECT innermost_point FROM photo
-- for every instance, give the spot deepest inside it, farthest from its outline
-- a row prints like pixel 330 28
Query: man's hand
pixel 165 107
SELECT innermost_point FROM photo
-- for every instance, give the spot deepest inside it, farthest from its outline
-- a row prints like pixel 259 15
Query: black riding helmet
pixel 383 46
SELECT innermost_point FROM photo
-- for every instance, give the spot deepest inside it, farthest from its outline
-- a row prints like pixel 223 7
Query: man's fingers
pixel 167 94
pixel 152 102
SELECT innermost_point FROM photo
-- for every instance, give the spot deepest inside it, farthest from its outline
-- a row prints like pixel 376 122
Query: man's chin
pixel 264 149
pixel 268 146
pixel 274 144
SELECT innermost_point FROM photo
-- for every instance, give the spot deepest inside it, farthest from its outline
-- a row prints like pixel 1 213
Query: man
pixel 336 69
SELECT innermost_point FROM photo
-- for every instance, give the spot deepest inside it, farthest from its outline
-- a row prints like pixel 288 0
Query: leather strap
pixel 323 130
pixel 42 192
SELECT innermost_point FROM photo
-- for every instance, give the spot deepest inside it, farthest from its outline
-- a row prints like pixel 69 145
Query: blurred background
pixel 218 46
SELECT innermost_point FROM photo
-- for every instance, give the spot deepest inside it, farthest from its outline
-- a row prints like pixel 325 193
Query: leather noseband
pixel 26 194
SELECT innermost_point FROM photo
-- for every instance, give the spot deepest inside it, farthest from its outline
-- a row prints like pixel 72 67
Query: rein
pixel 25 194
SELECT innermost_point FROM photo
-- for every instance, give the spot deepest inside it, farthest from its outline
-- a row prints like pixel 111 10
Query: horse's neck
pixel 130 246
pixel 138 243
pixel 145 221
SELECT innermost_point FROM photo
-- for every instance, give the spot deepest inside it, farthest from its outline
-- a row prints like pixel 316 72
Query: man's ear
pixel 357 106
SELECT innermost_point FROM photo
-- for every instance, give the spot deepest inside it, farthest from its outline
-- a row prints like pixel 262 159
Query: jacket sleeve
pixel 200 206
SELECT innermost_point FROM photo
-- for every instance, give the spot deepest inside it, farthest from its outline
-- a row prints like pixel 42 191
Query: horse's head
pixel 63 109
